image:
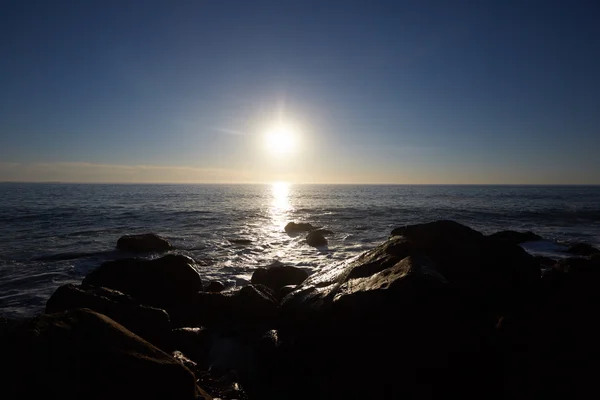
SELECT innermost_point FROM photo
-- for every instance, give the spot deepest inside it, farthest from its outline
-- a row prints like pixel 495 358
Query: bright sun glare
pixel 281 139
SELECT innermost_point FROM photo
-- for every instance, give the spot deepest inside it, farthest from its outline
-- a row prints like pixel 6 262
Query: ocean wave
pixel 73 255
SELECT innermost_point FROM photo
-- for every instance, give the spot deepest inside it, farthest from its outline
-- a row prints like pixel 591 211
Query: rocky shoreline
pixel 437 311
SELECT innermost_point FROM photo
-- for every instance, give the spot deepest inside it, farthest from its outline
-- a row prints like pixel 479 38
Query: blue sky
pixel 380 92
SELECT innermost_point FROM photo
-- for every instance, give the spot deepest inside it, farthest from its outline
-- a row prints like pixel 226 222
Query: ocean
pixel 52 234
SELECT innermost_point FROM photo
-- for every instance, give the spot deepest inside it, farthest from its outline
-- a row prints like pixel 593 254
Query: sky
pixel 408 92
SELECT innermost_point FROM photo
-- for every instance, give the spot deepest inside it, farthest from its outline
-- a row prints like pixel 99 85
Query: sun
pixel 281 139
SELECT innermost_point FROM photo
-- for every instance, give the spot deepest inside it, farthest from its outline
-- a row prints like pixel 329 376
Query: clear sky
pixel 375 91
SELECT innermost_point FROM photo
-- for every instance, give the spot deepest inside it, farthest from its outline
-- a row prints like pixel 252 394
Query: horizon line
pixel 295 183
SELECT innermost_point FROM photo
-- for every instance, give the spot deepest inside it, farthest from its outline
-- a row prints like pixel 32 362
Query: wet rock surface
pixel 143 243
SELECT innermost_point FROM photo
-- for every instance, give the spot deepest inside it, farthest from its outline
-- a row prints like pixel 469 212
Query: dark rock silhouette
pixel 143 243
pixel 438 310
pixel 150 323
pixel 278 276
pixel 80 354
pixel 195 343
pixel 429 292
pixel 582 249
pixel 251 307
pixel 316 239
pixel 545 262
pixel 163 282
pixel 285 290
pixel 215 287
pixel 293 227
pixel 324 232
pixel 241 241
pixel 515 237
pixel 553 350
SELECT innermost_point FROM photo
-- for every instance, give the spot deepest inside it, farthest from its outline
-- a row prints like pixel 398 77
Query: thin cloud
pixel 71 172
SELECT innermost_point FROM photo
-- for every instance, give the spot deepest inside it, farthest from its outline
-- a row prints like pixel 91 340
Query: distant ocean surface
pixel 52 234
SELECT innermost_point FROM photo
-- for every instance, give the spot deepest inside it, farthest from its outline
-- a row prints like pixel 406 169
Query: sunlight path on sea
pixel 280 204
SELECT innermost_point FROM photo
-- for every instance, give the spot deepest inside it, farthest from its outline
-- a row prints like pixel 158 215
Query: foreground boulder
pixel 316 239
pixel 164 282
pixel 555 352
pixel 515 237
pixel 80 354
pixel 278 276
pixel 293 227
pixel 253 307
pixel 215 287
pixel 582 249
pixel 150 323
pixel 143 243
pixel 502 272
pixel 427 301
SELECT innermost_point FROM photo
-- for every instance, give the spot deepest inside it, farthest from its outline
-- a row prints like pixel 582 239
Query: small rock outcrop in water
pixel 163 282
pixel 143 243
pixel 293 227
pixel 278 276
pixel 316 239
pixel 515 237
pixel 240 241
pixel 582 249
pixel 80 354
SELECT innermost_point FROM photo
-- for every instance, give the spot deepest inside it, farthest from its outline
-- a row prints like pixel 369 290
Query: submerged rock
pixel 293 227
pixel 163 282
pixel 152 324
pixel 278 276
pixel 316 239
pixel 515 237
pixel 143 243
pixel 80 354
pixel 582 249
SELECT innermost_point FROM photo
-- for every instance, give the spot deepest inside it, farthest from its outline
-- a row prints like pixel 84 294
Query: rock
pixel 80 354
pixel 504 272
pixel 545 262
pixel 278 276
pixel 293 227
pixel 164 282
pixel 426 300
pixel 143 243
pixel 553 352
pixel 515 237
pixel 253 307
pixel 215 287
pixel 285 290
pixel 395 313
pixel 150 323
pixel 194 343
pixel 582 249
pixel 316 239
pixel 324 232
pixel 241 241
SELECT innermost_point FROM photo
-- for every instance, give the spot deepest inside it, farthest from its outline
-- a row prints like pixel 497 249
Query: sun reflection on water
pixel 280 204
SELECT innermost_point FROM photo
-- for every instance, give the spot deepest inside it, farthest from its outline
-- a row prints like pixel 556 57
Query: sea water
pixel 52 234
